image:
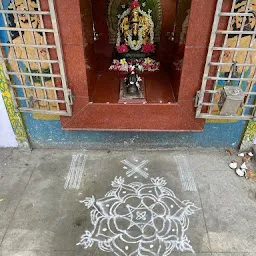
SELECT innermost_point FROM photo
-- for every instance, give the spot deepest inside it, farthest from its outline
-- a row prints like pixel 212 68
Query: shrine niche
pixel 168 92
pixel 135 47
pixel 132 59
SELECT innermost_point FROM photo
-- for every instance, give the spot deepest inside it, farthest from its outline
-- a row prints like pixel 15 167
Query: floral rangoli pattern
pixel 139 219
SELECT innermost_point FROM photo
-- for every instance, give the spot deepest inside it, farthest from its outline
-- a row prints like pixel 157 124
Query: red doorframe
pixel 87 115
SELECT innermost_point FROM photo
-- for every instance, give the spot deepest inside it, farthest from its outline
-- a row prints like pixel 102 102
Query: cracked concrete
pixel 39 217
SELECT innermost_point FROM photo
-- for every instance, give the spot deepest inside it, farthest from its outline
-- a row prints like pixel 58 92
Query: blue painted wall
pixel 49 134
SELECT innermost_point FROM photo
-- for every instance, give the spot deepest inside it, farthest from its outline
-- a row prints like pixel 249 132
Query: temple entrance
pixel 110 54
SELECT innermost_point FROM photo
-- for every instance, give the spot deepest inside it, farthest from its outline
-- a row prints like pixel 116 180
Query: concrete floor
pixel 39 217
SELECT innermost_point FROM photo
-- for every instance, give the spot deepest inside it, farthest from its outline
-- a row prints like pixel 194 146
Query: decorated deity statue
pixel 135 32
pixel 135 47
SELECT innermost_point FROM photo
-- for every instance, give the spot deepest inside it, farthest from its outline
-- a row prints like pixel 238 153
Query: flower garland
pixel 138 45
pixel 125 13
pixel 141 65
pixel 151 32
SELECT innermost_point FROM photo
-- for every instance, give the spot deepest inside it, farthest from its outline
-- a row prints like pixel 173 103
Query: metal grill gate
pixel 231 61
pixel 32 58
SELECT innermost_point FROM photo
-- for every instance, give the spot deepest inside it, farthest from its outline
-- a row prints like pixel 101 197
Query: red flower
pixel 122 48
pixel 134 4
pixel 146 48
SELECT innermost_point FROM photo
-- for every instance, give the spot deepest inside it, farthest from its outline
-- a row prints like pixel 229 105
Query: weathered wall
pixel 7 136
pixel 49 134
pixel 249 139
pixel 14 117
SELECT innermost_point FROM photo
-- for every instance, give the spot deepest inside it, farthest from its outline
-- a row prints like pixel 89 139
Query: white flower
pixel 139 79
pixel 143 4
pixel 123 6
pixel 149 11
pixel 118 16
pixel 124 68
pixel 140 67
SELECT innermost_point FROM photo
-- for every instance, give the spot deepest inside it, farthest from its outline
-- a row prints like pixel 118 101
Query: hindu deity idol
pixel 135 36
pixel 134 48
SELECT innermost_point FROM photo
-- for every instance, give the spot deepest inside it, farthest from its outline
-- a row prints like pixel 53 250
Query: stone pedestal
pixel 132 99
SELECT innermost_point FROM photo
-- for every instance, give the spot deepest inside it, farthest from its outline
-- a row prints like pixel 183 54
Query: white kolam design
pixel 133 169
pixel 139 219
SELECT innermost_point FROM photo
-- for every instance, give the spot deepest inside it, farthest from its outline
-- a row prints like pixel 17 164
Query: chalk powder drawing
pixel 135 169
pixel 186 176
pixel 139 219
pixel 76 170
